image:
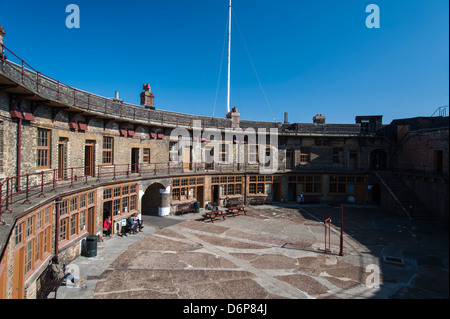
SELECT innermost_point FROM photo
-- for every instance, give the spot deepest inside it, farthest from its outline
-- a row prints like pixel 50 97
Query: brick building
pixel 69 158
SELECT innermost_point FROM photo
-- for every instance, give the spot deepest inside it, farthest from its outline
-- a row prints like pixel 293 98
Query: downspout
pixel 58 203
pixel 19 150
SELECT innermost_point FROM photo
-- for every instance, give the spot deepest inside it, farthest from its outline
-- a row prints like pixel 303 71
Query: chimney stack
pixel 286 118
pixel 235 117
pixel 147 98
pixel 2 34
pixel 319 119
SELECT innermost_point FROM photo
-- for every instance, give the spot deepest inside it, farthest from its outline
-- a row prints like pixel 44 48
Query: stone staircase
pixel 404 196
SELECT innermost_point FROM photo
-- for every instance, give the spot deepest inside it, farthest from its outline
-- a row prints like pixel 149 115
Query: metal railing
pixel 22 73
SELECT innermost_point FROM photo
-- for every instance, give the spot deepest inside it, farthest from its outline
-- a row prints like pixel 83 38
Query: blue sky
pixel 311 56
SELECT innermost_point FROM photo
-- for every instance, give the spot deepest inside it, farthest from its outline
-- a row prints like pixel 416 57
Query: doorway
pixel 134 160
pixel 62 149
pixel 215 194
pixel 200 196
pixel 152 199
pixel 276 192
pixel 353 160
pixel 292 192
pixel 89 166
pixel 187 158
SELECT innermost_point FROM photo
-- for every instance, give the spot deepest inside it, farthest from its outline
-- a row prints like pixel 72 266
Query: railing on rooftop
pixel 22 73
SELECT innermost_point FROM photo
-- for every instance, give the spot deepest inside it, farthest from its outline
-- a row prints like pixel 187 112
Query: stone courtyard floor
pixel 274 252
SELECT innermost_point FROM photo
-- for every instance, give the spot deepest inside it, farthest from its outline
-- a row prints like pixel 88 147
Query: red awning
pixel 161 136
pixel 123 131
pixel 130 132
pixel 153 135
pixel 83 126
pixel 73 125
pixel 15 113
pixel 28 116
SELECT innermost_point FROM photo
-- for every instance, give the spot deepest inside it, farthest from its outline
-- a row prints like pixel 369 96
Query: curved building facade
pixel 70 158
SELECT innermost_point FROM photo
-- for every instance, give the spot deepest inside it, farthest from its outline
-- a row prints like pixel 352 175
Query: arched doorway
pixel 152 199
pixel 378 160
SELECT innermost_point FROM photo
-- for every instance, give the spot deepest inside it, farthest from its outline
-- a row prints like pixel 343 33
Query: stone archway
pixel 152 199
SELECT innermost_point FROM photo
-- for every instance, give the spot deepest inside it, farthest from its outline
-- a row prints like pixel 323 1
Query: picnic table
pixel 236 210
pixel 213 215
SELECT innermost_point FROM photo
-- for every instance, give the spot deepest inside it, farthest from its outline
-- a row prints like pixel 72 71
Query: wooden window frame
pixel 121 197
pixel 146 156
pixel 108 150
pixel 43 149
pixel 338 155
pixel 225 182
pixel 182 187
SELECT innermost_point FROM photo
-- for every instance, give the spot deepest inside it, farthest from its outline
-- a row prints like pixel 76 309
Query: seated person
pixel 132 225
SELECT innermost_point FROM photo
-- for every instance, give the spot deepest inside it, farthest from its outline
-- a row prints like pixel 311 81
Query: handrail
pixel 50 88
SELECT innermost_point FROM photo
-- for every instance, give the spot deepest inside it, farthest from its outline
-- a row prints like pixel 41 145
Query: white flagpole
pixel 229 59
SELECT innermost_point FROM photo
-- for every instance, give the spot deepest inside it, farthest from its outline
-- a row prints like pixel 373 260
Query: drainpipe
pixel 58 203
pixel 19 149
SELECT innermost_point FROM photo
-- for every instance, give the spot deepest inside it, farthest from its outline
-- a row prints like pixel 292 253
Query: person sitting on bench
pixel 132 225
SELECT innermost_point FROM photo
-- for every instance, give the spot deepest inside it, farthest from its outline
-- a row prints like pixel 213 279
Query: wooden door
pixel 187 158
pixel 61 159
pixel 92 221
pixel 134 160
pixel 89 159
pixel 200 196
pixel 19 264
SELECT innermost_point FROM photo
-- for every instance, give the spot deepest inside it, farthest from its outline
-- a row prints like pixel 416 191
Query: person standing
pixel 107 226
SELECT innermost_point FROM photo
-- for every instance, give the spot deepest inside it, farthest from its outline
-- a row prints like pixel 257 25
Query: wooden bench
pixel 185 208
pixel 48 284
pixel 236 201
pixel 258 201
pixel 236 210
pixel 213 215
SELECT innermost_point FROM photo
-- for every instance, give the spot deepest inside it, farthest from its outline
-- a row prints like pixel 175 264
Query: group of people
pixel 133 223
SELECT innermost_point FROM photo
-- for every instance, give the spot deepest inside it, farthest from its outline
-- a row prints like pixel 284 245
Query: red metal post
pixel 42 185
pixel 341 245
pixel 58 203
pixel 328 220
pixel 28 187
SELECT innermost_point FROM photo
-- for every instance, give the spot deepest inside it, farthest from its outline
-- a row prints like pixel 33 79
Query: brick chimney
pixel 2 34
pixel 235 117
pixel 319 119
pixel 147 98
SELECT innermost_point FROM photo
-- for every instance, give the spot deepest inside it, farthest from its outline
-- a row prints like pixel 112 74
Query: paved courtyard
pixel 274 252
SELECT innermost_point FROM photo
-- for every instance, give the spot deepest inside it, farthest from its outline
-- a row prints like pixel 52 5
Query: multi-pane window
pixel 345 184
pixel 33 234
pixel 262 184
pixel 253 153
pixel 338 155
pixel 146 156
pixel 43 149
pixel 307 183
pixel 185 188
pixel 108 147
pixel 228 185
pixel 305 155
pixel 73 215
pixel 123 199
